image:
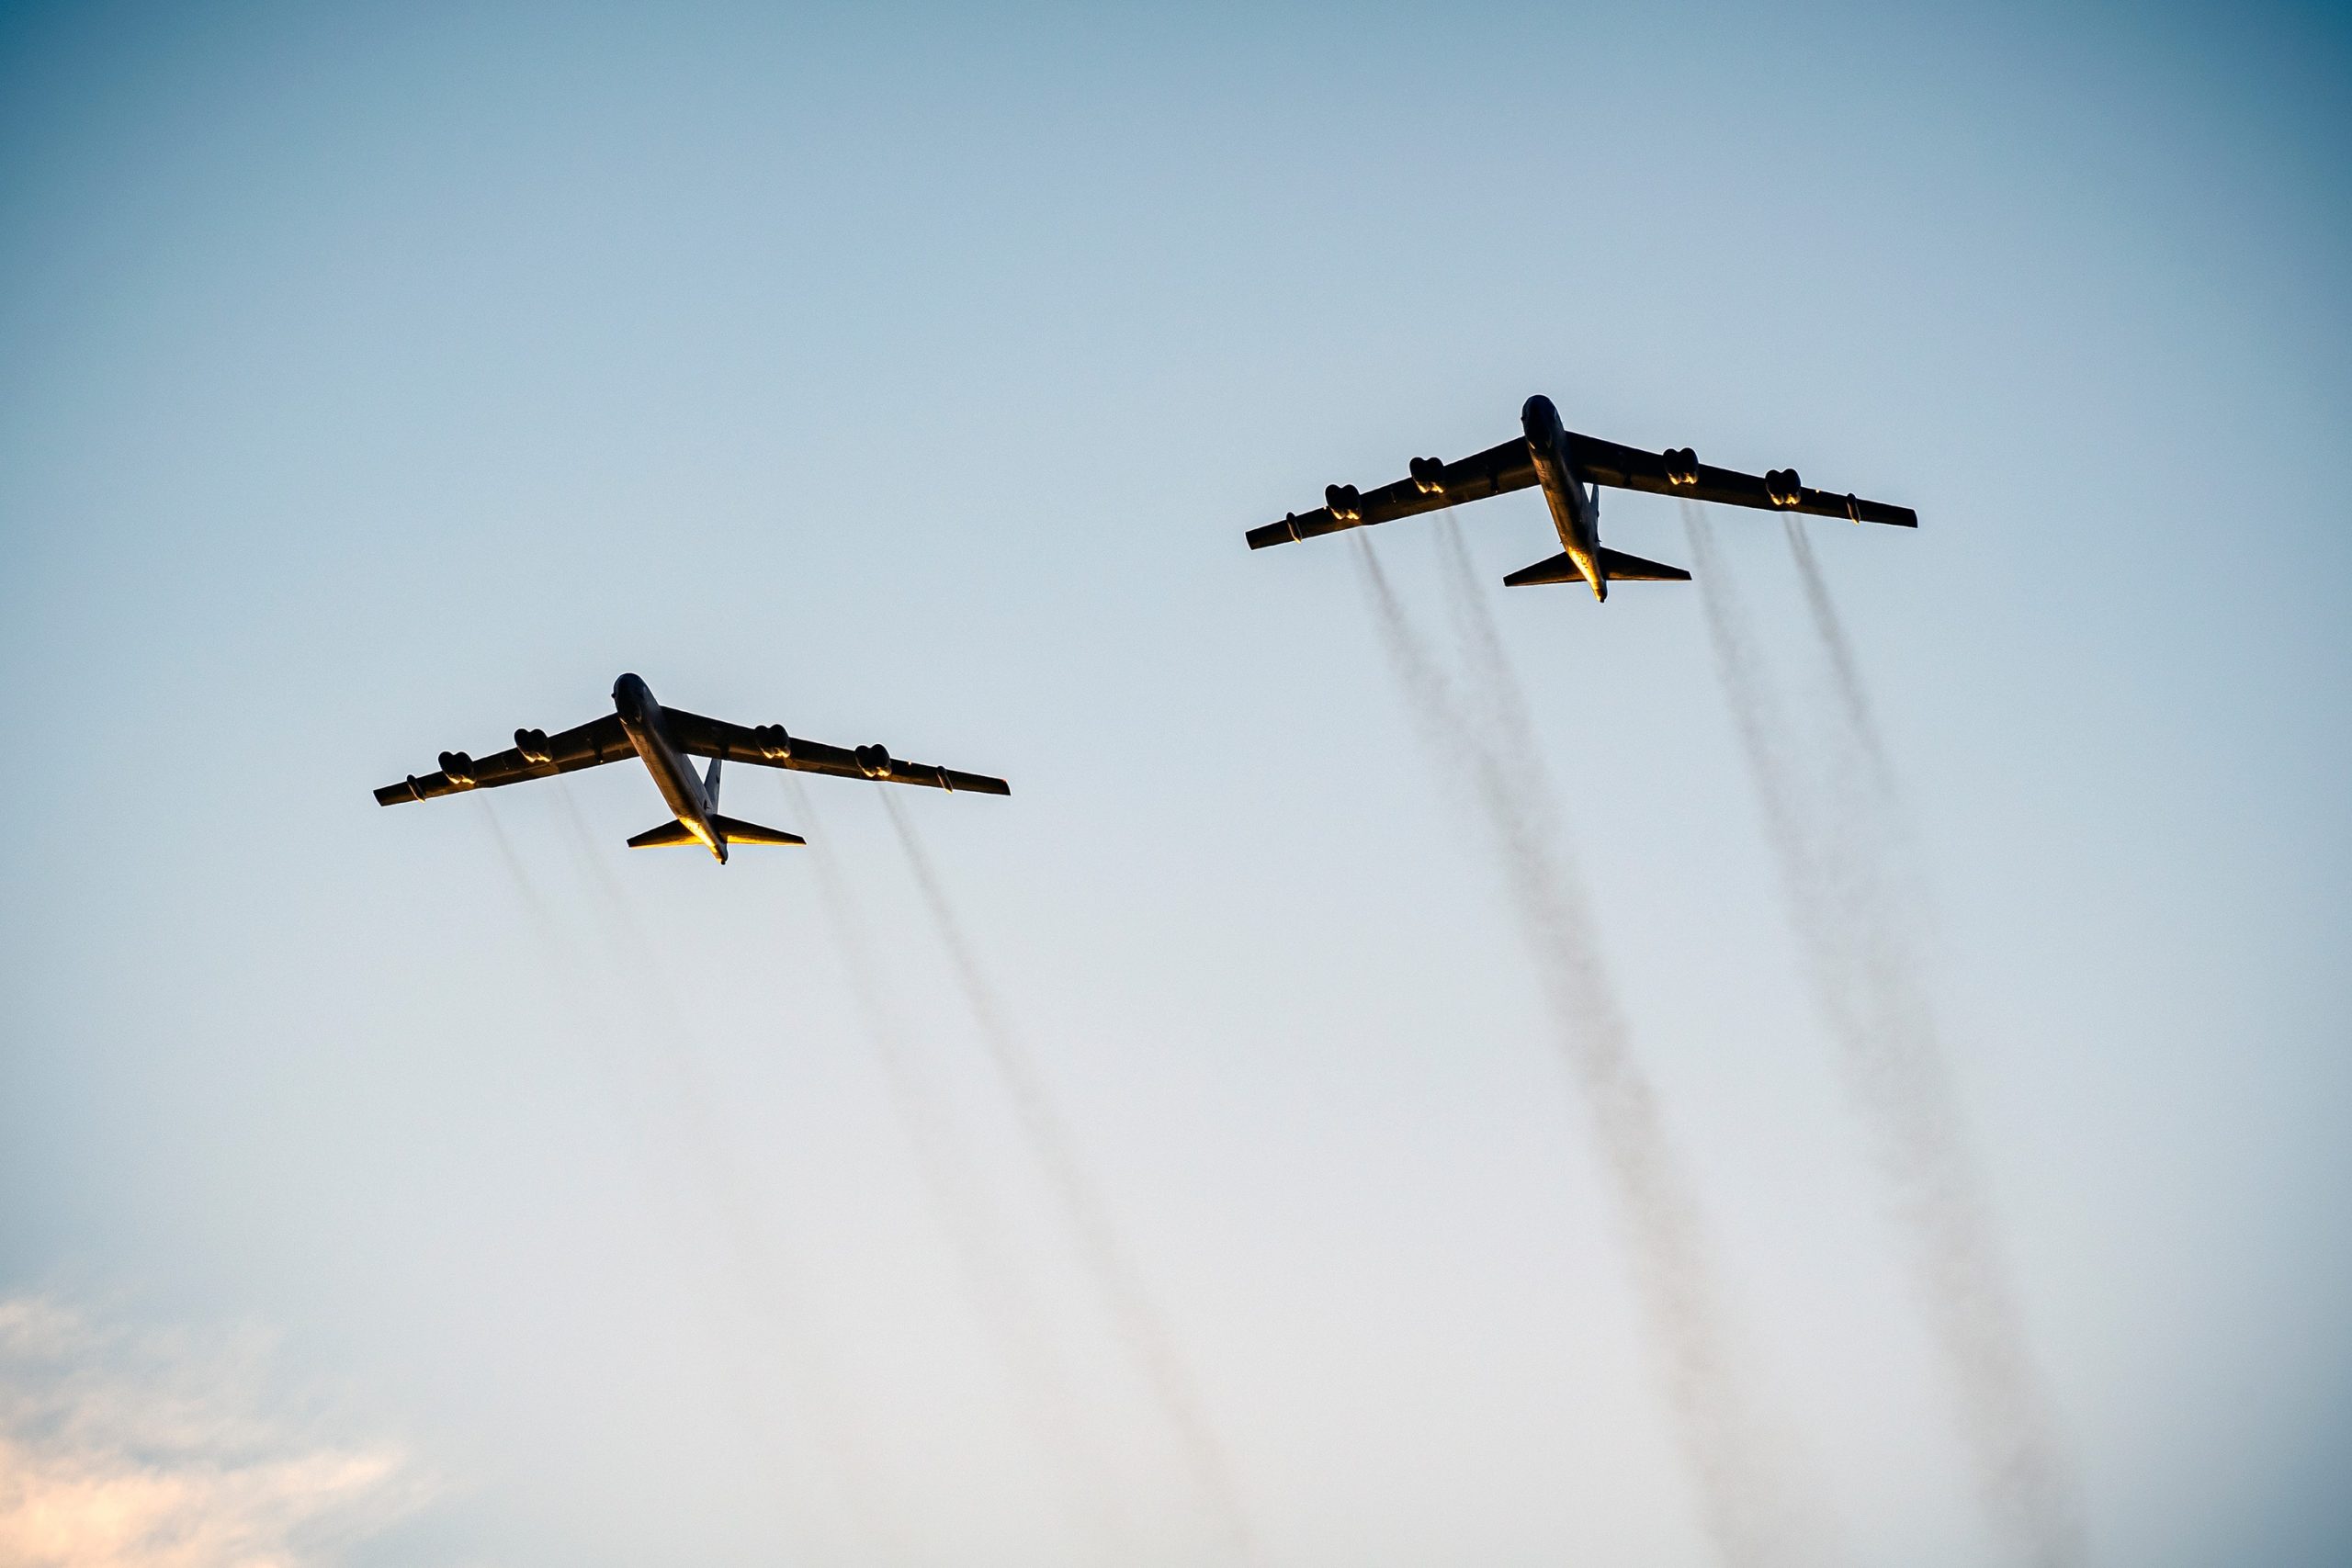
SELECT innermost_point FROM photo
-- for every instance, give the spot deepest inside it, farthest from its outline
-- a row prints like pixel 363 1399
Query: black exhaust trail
pixel 526 888
pixel 952 1183
pixel 1836 835
pixel 1830 631
pixel 1748 1507
pixel 771 1283
pixel 1139 1322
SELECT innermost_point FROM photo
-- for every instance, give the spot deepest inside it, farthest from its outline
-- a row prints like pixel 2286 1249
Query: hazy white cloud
pixel 143 1450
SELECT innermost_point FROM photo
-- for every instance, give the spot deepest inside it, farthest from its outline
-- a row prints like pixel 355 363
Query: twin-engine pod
pixel 1783 486
pixel 773 744
pixel 533 744
pixel 873 762
pixel 1428 475
pixel 459 769
pixel 1681 467
pixel 1346 503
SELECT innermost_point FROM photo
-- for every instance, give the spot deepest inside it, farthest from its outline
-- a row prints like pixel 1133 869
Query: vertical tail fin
pixel 710 783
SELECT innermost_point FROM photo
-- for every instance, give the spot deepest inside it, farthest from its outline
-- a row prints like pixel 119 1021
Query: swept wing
pixel 1508 467
pixel 768 746
pixel 1629 468
pixel 1433 485
pixel 589 745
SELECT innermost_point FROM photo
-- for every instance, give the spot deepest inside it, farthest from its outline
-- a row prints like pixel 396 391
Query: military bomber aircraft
pixel 662 739
pixel 1571 468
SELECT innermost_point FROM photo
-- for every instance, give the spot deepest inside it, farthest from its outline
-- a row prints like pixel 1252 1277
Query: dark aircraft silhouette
pixel 663 739
pixel 1571 468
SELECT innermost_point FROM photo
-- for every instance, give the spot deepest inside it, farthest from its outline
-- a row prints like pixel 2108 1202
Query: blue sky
pixel 375 381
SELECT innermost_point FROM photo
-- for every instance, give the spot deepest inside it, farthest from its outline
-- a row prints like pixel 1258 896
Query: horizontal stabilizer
pixel 1616 566
pixel 731 830
pixel 1561 567
pixel 737 832
pixel 1623 567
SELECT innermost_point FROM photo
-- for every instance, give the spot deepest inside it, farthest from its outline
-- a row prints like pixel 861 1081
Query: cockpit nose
pixel 1537 416
pixel 629 696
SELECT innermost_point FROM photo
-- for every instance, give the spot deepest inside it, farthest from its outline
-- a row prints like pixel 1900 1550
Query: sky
pixel 452 1186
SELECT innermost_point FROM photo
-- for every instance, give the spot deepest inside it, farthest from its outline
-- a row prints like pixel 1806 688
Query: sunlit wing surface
pixel 1681 474
pixel 1434 485
pixel 667 740
pixel 768 746
pixel 1510 467
pixel 534 755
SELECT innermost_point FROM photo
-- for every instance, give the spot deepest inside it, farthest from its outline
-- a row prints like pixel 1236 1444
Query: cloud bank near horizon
pixel 139 1449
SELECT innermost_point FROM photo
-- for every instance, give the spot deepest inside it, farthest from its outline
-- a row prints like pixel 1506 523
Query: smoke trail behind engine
pixel 1835 839
pixel 771 1281
pixel 1830 632
pixel 526 887
pixel 951 1184
pixel 1750 1511
pixel 1139 1322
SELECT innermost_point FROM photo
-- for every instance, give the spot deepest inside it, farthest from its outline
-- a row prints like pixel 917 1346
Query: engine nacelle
pixel 1346 503
pixel 1681 467
pixel 533 744
pixel 773 744
pixel 1428 475
pixel 1783 486
pixel 459 769
pixel 873 762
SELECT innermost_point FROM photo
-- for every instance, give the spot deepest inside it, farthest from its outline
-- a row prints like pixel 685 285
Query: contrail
pixel 951 1181
pixel 1747 1505
pixel 526 887
pixel 771 1283
pixel 1829 630
pixel 1836 846
pixel 1139 1323
pixel 1506 721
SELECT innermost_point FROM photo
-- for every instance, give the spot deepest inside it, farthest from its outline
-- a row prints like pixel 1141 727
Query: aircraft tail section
pixel 730 830
pixel 737 832
pixel 1623 567
pixel 1616 566
pixel 1561 567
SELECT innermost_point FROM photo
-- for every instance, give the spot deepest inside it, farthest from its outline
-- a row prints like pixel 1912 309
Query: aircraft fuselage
pixel 640 718
pixel 1576 511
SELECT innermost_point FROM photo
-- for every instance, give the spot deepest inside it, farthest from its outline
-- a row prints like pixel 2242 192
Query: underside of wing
pixel 535 755
pixel 1679 473
pixel 1433 485
pixel 768 746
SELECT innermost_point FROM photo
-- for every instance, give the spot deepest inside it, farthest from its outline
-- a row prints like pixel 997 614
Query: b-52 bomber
pixel 662 739
pixel 1572 469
